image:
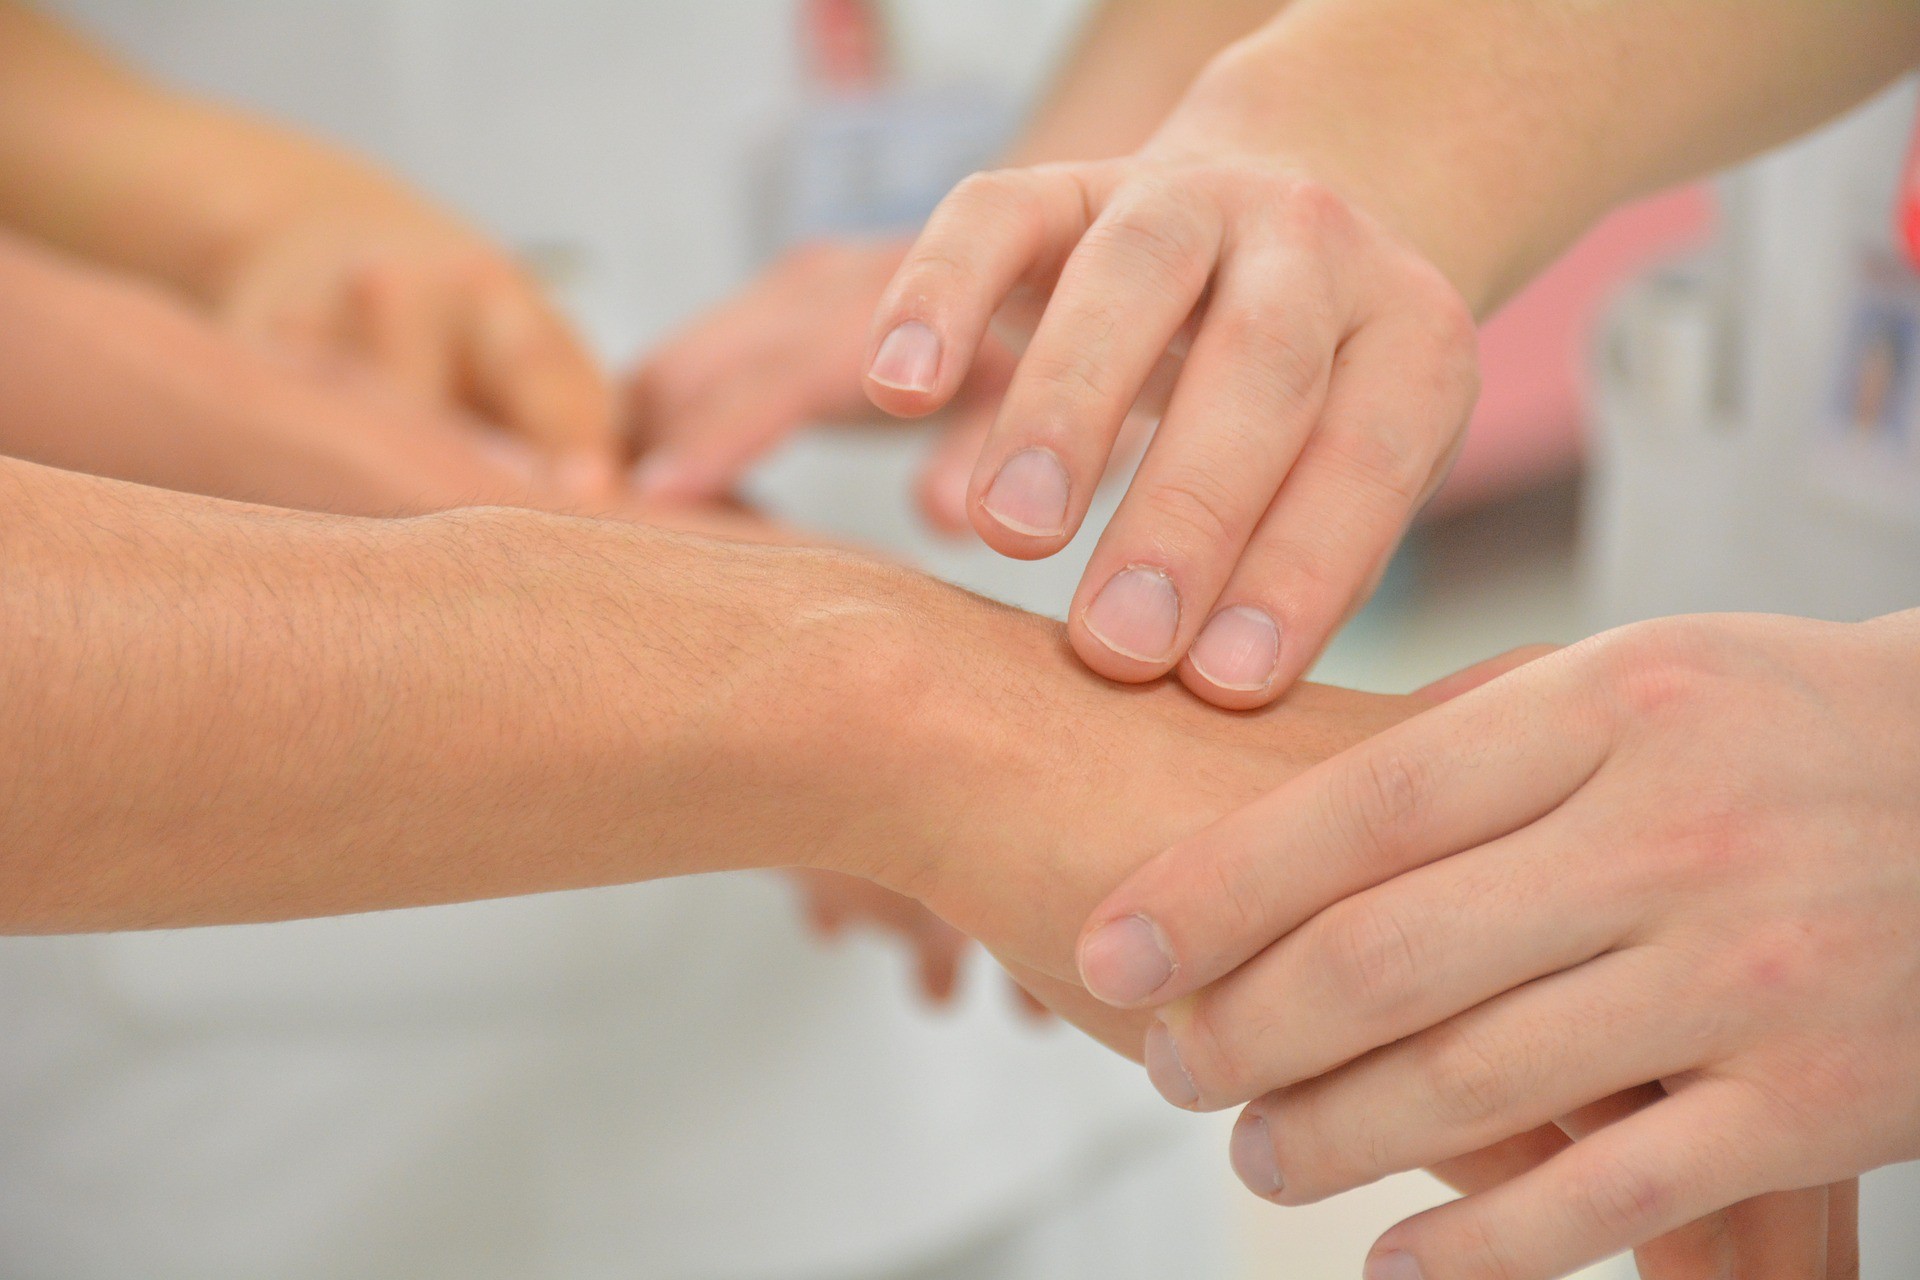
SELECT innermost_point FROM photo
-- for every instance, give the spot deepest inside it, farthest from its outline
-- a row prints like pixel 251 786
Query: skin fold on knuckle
pixel 1194 511
pixel 1369 956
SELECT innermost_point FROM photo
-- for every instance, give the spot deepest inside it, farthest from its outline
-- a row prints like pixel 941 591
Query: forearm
pixel 101 162
pixel 1491 132
pixel 113 377
pixel 219 713
pixel 1134 61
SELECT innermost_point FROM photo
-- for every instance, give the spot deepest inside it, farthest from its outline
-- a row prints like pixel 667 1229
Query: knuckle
pixel 1373 463
pixel 1209 1047
pixel 1163 242
pixel 1196 508
pixel 1074 378
pixel 1485 1253
pixel 1271 358
pixel 1468 1084
pixel 1386 793
pixel 1371 956
pixel 1312 209
pixel 1619 1199
pixel 1662 667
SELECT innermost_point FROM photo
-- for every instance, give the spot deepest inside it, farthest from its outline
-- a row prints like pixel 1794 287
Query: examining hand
pixel 788 353
pixel 1684 854
pixel 1322 374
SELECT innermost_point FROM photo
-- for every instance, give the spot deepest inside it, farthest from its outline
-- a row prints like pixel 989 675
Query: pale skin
pixel 790 350
pixel 1306 244
pixel 1717 816
pixel 293 243
pixel 295 581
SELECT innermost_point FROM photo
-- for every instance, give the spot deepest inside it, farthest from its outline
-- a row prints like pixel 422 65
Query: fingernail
pixel 1393 1266
pixel 909 359
pixel 1251 1149
pixel 1125 961
pixel 1030 494
pixel 1168 1073
pixel 1238 650
pixel 584 475
pixel 1136 614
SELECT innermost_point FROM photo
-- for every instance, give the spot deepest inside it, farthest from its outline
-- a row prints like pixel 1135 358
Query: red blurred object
pixel 1536 352
pixel 1910 203
pixel 845 44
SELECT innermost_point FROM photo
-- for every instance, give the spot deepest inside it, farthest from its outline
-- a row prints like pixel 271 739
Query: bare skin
pixel 790 350
pixel 289 240
pixel 1305 245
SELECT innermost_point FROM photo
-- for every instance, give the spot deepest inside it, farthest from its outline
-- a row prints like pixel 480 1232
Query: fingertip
pixel 1126 962
pixel 1030 497
pixel 908 358
pixel 1234 663
pixel 1128 631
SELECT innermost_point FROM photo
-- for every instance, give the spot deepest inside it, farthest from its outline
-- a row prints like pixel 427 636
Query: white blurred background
pixel 672 1080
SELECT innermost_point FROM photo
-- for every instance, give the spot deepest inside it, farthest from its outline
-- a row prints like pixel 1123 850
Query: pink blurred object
pixel 845 45
pixel 1535 353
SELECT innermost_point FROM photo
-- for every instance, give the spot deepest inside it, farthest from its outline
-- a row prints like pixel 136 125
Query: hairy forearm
pixel 1134 61
pixel 222 713
pixel 1491 132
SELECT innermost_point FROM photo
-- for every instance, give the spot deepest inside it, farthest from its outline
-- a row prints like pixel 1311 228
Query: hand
pixel 786 354
pixel 834 902
pixel 112 376
pixel 1322 374
pixel 345 263
pixel 1683 854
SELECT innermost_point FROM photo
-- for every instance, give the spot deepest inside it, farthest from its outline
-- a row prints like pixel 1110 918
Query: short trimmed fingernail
pixel 1393 1266
pixel 909 359
pixel 1125 961
pixel 1168 1073
pixel 1030 494
pixel 1238 650
pixel 1136 614
pixel 1251 1150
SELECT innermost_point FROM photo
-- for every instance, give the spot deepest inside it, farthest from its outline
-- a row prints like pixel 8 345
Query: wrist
pixel 1346 108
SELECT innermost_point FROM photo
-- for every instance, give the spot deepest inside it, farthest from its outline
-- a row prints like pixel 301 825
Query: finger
pixel 1843 1230
pixel 1119 1029
pixel 938 950
pixel 1782 1236
pixel 1250 394
pixel 402 320
pixel 1125 293
pixel 1635 1180
pixel 527 371
pixel 1401 395
pixel 712 443
pixel 948 470
pixel 1397 959
pixel 1509 1066
pixel 941 490
pixel 1451 778
pixel 995 232
pixel 1447 688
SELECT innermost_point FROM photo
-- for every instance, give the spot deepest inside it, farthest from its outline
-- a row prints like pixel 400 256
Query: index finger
pixel 527 370
pixel 1450 779
pixel 995 232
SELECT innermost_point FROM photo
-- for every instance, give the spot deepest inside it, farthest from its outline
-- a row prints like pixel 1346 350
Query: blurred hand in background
pixel 294 243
